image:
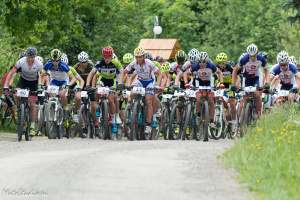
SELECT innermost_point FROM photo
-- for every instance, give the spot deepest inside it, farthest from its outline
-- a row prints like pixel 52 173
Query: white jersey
pixel 144 71
pixel 29 73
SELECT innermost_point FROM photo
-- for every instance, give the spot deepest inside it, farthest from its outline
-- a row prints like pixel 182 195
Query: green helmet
pixel 127 58
pixel 55 54
pixel 165 67
pixel 221 58
pixel 180 56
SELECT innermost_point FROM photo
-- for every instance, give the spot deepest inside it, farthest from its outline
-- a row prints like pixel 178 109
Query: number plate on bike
pixel 190 93
pixel 250 89
pixel 84 94
pixel 219 93
pixel 283 93
pixel 103 90
pixel 204 88
pixel 138 90
pixel 53 89
pixel 179 94
pixel 22 93
pixel 41 94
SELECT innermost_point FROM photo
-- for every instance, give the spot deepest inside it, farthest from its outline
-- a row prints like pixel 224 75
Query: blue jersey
pixel 58 75
pixel 251 69
pixel 203 74
pixel 287 78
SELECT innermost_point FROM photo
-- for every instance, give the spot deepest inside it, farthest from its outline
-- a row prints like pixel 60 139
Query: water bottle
pixel 98 112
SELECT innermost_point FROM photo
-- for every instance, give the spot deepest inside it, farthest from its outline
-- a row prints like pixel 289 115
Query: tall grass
pixel 268 157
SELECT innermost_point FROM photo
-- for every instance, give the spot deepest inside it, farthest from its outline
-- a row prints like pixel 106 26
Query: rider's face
pixel 253 58
pixel 83 64
pixel 55 62
pixel 139 59
pixel 107 60
pixel 283 67
pixel 30 60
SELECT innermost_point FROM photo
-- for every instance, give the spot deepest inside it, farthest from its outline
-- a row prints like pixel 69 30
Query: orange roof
pixel 165 48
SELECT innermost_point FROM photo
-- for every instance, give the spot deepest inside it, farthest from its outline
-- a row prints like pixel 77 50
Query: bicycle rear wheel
pixel 21 121
pixel 104 122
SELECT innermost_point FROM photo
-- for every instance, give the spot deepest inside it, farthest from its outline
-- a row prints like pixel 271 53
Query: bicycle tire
pixel 21 121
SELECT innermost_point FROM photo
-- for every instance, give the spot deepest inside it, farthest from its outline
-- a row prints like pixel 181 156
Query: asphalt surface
pixel 95 169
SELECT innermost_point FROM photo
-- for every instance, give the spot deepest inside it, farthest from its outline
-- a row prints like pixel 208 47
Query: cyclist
pixel 285 73
pixel 81 71
pixel 108 68
pixel 165 79
pixel 60 74
pixel 250 65
pixel 177 68
pixel 30 69
pixel 202 73
pixel 144 69
pixel 127 59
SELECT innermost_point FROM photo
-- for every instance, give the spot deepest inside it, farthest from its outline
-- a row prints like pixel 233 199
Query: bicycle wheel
pixel 134 125
pixel 127 119
pixel 21 121
pixel 203 122
pixel 217 132
pixel 90 125
pixel 104 123
pixel 27 125
pixel 50 123
pixel 174 123
pixel 187 121
pixel 245 119
pixel 164 123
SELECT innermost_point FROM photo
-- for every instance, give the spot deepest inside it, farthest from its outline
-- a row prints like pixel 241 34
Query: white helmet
pixel 39 58
pixel 193 55
pixel 252 49
pixel 203 56
pixel 83 57
pixel 283 57
pixel 64 58
pixel 293 60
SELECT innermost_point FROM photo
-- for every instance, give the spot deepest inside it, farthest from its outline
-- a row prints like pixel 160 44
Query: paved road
pixel 109 170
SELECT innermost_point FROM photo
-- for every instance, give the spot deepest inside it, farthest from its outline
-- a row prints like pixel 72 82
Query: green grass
pixel 268 157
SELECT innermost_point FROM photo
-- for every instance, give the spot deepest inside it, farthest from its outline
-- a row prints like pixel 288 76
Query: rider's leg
pixel 77 100
pixel 211 108
pixel 258 102
pixel 149 103
pixel 232 103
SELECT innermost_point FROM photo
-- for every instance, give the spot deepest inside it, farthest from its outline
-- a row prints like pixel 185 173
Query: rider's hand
pixel 6 91
pixel 267 86
pixel 120 86
pixel 233 88
pixel 187 85
pixel 294 90
pixel 221 86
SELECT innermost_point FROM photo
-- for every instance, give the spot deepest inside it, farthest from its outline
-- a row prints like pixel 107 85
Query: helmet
pixel 221 58
pixel 107 52
pixel 39 58
pixel 127 58
pixel 193 55
pixel 293 60
pixel 252 49
pixel 165 67
pixel 159 59
pixel 283 57
pixel 55 54
pixel 22 54
pixel 64 58
pixel 139 51
pixel 31 51
pixel 180 56
pixel 83 57
pixel 263 54
pixel 203 56
pixel 148 55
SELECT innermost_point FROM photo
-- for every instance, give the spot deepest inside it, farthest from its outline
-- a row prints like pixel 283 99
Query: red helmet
pixel 107 52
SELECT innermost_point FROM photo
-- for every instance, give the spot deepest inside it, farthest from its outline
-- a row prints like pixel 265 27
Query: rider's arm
pixel 220 75
pixel 234 75
pixel 90 76
pixel 10 75
pixel 185 76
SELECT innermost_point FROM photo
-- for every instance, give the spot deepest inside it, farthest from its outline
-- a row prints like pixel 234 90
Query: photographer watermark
pixel 23 192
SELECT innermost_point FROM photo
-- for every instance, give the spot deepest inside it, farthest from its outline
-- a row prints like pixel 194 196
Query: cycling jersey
pixel 251 69
pixel 84 72
pixel 58 75
pixel 203 73
pixel 176 68
pixel 227 74
pixel 108 71
pixel 144 71
pixel 187 65
pixel 287 78
pixel 29 73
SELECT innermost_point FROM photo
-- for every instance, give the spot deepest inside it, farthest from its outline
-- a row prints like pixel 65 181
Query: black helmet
pixel 148 55
pixel 22 54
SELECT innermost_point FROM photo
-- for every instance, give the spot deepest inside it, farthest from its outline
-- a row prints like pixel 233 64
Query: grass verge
pixel 268 157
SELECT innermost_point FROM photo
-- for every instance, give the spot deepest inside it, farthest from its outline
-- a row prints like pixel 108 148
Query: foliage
pixel 268 158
